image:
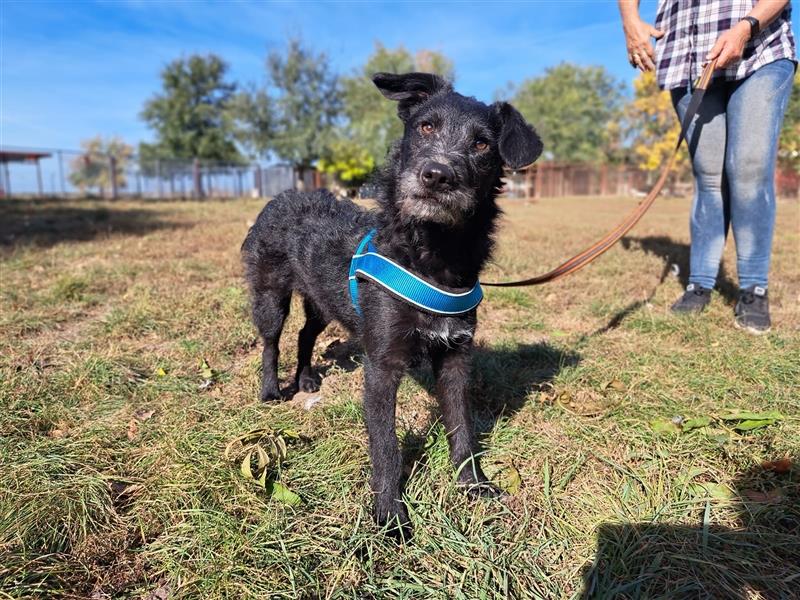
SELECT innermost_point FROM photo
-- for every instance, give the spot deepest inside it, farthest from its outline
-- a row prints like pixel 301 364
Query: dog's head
pixel 453 148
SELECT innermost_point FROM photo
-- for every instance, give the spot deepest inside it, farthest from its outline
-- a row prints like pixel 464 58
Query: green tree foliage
pixel 252 115
pixel 306 106
pixel 789 152
pixel 92 169
pixel 191 116
pixel 573 108
pixel 348 162
pixel 372 122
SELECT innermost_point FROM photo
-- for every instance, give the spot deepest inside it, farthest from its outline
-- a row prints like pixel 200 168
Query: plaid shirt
pixel 692 27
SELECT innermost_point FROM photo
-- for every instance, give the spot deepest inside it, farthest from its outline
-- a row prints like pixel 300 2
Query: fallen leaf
pixel 783 465
pixel 717 491
pixel 696 423
pixel 773 496
pixel 664 426
pixel 245 467
pixel 743 415
pixel 614 384
pixel 753 424
pixel 281 493
pixel 133 429
pixel 206 371
pixel 509 479
pixel 160 372
pixel 143 414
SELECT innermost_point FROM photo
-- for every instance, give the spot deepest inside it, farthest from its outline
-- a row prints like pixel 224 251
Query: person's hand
pixel 730 45
pixel 641 54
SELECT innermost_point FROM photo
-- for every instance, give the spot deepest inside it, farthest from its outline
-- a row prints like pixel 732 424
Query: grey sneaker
pixel 694 300
pixel 752 310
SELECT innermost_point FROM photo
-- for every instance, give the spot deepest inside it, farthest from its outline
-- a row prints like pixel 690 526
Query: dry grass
pixel 108 309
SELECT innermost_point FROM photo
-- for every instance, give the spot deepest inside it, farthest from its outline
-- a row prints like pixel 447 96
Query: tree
pixel 252 116
pixel 789 148
pixel 92 169
pixel 654 126
pixel 372 122
pixel 191 117
pixel 348 161
pixel 306 107
pixel 572 108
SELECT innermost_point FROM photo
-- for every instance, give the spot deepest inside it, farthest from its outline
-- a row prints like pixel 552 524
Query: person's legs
pixel 708 222
pixel 755 115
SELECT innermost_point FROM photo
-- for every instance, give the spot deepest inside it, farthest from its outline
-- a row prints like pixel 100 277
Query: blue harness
pixel 366 262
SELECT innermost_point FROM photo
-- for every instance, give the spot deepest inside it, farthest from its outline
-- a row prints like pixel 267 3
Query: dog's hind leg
pixel 270 309
pixel 451 367
pixel 315 324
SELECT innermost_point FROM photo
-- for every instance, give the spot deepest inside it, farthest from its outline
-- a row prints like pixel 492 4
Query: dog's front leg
pixel 451 367
pixel 382 375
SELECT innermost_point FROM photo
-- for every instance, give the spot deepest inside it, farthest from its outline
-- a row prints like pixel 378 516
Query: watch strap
pixel 755 26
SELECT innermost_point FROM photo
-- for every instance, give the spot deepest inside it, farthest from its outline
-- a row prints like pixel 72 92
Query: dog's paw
pixel 484 489
pixel 396 529
pixel 307 384
pixel 271 395
pixel 394 521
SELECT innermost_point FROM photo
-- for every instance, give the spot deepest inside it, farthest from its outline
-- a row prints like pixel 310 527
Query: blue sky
pixel 71 69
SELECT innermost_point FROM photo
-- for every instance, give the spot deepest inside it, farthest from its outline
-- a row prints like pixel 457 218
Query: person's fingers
pixel 648 63
pixel 725 57
pixel 656 33
pixel 715 51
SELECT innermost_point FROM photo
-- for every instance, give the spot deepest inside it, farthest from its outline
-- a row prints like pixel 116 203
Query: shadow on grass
pixel 677 253
pixel 502 380
pixel 676 260
pixel 47 222
pixel 760 558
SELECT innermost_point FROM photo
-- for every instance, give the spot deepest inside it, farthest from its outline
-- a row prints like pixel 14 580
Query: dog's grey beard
pixel 452 209
pixel 419 210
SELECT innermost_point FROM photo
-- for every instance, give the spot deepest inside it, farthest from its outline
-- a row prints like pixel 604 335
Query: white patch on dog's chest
pixel 445 332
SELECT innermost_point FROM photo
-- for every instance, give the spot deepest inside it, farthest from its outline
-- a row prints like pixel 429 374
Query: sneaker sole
pixel 751 330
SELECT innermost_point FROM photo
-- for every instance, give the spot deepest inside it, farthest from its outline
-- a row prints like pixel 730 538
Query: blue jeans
pixel 733 143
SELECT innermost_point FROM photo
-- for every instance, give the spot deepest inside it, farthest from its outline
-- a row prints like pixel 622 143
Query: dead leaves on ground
pixel 731 421
pixel 261 454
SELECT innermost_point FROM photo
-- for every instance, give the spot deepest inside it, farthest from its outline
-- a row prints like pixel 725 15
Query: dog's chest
pixel 445 331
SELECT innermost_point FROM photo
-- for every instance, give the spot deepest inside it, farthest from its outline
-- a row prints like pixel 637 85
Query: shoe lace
pixel 747 297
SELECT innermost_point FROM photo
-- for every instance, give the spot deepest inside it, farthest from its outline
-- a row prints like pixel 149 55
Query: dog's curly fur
pixel 436 216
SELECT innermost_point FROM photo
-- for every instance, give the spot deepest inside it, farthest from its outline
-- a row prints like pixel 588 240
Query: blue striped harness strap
pixel 406 286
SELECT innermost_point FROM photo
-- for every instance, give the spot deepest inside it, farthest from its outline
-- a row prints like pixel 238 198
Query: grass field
pixel 114 483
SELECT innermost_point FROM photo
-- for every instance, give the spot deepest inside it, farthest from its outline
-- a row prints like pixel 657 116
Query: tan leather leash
pixel 584 258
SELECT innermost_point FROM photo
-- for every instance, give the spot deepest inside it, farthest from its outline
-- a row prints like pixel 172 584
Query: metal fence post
pixel 197 179
pixel 61 172
pixel 39 178
pixel 112 171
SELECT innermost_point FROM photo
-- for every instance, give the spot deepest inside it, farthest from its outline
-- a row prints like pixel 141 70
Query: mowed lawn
pixel 621 432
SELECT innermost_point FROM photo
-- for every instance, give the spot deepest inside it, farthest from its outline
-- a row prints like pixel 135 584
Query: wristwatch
pixel 755 26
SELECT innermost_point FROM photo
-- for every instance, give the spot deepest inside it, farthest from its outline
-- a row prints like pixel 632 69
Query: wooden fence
pixel 555 180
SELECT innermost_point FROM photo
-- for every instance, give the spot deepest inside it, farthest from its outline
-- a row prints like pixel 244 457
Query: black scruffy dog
pixel 436 218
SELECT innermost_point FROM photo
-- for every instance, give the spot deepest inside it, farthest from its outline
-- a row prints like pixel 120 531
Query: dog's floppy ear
pixel 519 144
pixel 409 89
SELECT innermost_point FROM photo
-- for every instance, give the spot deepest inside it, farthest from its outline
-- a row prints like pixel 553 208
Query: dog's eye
pixel 481 145
pixel 426 128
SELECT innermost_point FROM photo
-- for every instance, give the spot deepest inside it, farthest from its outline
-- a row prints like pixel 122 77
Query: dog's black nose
pixel 436 175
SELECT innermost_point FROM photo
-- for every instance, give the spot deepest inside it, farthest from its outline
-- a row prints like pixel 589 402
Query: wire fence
pixel 71 173
pixel 65 173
